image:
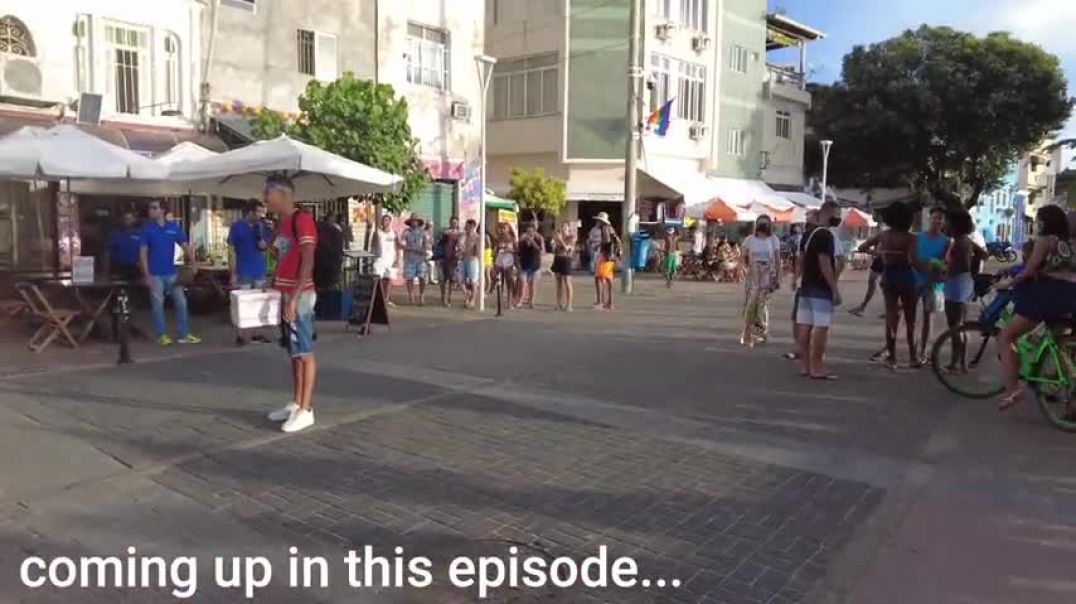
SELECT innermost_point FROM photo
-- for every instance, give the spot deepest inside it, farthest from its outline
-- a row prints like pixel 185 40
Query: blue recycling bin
pixel 640 250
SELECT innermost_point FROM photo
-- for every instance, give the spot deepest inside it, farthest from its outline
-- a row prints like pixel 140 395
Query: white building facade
pixel 125 71
pixel 267 51
pixel 142 58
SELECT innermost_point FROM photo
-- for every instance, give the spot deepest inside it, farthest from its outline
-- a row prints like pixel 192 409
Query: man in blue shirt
pixel 248 240
pixel 159 240
pixel 122 252
pixel 930 245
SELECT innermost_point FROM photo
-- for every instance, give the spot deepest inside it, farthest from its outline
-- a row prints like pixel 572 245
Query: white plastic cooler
pixel 255 308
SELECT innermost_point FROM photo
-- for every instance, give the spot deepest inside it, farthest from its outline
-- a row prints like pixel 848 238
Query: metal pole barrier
pixel 122 318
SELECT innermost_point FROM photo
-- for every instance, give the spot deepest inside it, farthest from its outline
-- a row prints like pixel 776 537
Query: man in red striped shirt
pixel 294 243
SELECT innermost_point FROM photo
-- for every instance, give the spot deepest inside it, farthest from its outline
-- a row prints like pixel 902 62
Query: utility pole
pixel 635 79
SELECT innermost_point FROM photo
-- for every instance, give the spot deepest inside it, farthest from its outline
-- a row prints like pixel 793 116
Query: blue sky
pixel 1049 23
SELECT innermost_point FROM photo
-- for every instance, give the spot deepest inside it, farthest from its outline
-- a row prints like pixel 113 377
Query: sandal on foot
pixel 829 377
pixel 1009 400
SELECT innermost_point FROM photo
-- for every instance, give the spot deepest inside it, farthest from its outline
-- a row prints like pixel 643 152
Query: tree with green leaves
pixel 537 192
pixel 360 120
pixel 941 111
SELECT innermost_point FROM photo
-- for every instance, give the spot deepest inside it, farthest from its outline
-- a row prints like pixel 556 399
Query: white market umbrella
pixel 317 174
pixel 184 151
pixel 66 152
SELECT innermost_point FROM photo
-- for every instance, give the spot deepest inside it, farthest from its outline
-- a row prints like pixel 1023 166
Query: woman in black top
pixel 530 262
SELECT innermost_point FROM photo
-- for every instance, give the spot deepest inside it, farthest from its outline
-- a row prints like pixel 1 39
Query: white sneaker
pixel 300 420
pixel 283 413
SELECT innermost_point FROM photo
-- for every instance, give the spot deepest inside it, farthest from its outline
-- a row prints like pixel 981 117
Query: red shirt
pixel 288 253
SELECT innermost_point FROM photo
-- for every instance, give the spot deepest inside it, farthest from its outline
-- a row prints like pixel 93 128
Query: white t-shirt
pixel 386 247
pixel 761 248
pixel 698 243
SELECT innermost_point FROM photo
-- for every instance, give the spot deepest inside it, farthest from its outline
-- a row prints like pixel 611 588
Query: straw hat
pixel 602 217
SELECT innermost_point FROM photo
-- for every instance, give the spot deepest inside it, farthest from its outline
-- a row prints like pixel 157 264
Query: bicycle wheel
pixel 983 376
pixel 1058 401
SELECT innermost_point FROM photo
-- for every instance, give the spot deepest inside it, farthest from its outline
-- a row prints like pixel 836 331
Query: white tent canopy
pixel 317 174
pixel 185 151
pixel 804 200
pixel 66 152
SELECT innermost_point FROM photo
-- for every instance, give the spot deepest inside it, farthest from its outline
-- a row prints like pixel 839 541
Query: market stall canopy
pixel 185 151
pixel 661 179
pixel 66 152
pixel 782 217
pixel 317 174
pixel 804 200
pixel 719 211
pixel 494 202
pixel 857 219
pixel 744 193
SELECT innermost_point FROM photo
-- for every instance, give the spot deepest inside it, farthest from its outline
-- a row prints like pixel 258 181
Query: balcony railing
pixel 787 75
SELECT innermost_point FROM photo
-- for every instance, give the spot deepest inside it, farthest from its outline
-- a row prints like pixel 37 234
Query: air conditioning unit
pixel 89 108
pixel 698 131
pixel 664 31
pixel 700 43
pixel 461 110
pixel 20 78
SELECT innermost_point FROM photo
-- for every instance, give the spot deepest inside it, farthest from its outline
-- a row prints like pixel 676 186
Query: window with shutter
pixel 325 63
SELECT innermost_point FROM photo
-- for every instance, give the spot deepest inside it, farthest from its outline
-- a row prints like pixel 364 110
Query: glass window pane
pixel 500 98
pixel 534 93
pixel 515 96
pixel 550 94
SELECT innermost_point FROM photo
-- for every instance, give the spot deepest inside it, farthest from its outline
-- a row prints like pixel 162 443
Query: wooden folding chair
pixel 55 321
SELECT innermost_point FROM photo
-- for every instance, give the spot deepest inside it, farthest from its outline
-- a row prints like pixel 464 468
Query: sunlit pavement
pixel 647 429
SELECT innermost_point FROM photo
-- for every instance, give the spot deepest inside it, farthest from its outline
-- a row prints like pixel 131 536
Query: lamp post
pixel 485 65
pixel 826 145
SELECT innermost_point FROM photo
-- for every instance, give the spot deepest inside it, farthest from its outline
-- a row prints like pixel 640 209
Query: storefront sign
pixel 471 192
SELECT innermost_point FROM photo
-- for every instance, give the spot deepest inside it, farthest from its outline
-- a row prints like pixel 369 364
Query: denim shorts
pixel 469 271
pixel 414 270
pixel 959 288
pixel 300 333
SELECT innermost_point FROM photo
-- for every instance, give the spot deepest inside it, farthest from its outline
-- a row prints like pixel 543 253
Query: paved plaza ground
pixel 647 430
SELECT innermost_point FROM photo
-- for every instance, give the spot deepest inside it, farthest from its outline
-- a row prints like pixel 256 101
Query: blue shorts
pixel 300 333
pixel 816 312
pixel 250 282
pixel 1045 299
pixel 469 271
pixel 414 270
pixel 959 288
pixel 530 273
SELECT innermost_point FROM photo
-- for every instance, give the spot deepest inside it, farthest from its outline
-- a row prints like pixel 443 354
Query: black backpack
pixel 328 253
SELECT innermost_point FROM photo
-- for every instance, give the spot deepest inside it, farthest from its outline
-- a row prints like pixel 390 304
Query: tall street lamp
pixel 826 145
pixel 485 73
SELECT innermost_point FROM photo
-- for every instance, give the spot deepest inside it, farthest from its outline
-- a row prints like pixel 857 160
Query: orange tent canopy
pixel 719 211
pixel 855 219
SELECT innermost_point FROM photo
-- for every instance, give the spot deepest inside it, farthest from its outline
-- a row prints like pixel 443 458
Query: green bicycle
pixel 1047 364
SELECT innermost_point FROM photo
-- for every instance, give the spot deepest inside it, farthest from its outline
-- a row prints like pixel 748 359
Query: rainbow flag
pixel 659 120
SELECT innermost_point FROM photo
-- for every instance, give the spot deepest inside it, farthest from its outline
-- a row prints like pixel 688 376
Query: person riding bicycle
pixel 1045 292
pixel 992 313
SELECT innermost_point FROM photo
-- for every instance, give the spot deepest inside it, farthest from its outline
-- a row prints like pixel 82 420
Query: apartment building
pixel 125 70
pixel 559 100
pixel 787 102
pixel 267 51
